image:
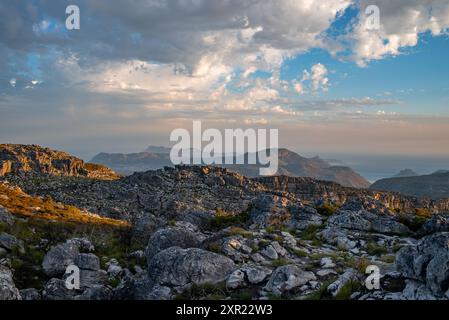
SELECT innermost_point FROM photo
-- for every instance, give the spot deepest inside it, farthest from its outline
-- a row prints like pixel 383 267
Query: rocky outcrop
pixel 59 257
pixel 8 290
pixel 15 158
pixel 183 237
pixel 177 267
pixel 428 263
pixel 315 190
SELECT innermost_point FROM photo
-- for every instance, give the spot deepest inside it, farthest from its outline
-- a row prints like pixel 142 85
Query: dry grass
pixel 21 204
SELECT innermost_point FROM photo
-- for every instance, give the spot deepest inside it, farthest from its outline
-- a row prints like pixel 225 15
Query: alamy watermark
pixel 72 22
pixel 372 282
pixel 240 146
pixel 372 17
pixel 72 281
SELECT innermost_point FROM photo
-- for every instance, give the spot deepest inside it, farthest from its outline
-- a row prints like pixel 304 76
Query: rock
pixel 437 223
pixel 325 272
pixel 87 261
pixel 6 217
pixel 170 237
pixel 174 267
pixel 269 252
pixel 113 268
pixel 30 294
pixel 96 292
pixel 257 257
pixel 59 257
pixel 427 262
pixel 348 275
pixel 350 220
pixel 256 274
pixel 55 289
pixel 159 293
pixel 278 248
pixel 8 290
pixel 304 216
pixel 338 237
pixel 286 278
pixel 236 279
pixel 415 290
pixel 387 225
pixel 327 263
pixel 92 278
pixel 10 242
pixel 234 248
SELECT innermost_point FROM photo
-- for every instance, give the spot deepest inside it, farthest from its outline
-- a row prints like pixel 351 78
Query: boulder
pixel 59 257
pixel 427 262
pixel 30 294
pixel 9 242
pixel 437 223
pixel 347 276
pixel 5 216
pixel 350 220
pixel 256 274
pixel 171 237
pixel 236 279
pixel 87 261
pixel 177 267
pixel 287 278
pixel 8 290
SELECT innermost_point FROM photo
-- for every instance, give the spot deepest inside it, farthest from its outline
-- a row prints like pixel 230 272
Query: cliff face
pixel 313 190
pixel 16 158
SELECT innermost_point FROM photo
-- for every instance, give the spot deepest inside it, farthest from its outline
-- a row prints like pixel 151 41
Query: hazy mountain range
pixel 290 164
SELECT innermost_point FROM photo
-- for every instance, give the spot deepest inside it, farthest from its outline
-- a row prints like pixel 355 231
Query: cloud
pixel 402 22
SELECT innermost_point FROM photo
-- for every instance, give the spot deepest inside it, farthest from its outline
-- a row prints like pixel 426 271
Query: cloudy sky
pixel 135 70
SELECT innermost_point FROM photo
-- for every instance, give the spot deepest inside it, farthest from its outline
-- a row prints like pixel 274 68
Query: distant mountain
pixel 17 158
pixel 133 162
pixel 405 173
pixel 157 149
pixel 435 185
pixel 290 164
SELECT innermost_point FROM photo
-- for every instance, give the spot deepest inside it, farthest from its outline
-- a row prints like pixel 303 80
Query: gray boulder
pixel 8 290
pixel 30 294
pixel 5 216
pixel 177 267
pixel 59 257
pixel 437 223
pixel 287 278
pixel 171 237
pixel 346 277
pixel 87 261
pixel 9 242
pixel 350 220
pixel 427 262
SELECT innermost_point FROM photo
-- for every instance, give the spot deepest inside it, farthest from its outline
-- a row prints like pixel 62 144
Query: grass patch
pixel 326 209
pixel 223 219
pixel 279 262
pixel 348 289
pixel 373 249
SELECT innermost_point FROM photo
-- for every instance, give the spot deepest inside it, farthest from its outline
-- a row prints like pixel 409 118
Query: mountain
pixel 290 164
pixel 157 149
pixel 17 158
pixel 133 162
pixel 405 173
pixel 206 232
pixel 435 185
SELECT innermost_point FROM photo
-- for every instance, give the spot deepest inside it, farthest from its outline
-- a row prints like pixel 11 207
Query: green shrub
pixel 326 209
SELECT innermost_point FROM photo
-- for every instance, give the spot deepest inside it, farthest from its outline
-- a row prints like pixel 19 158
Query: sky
pixel 136 70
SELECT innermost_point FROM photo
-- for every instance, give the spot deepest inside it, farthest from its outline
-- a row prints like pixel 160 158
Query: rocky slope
pixel 16 158
pixel 290 164
pixel 207 232
pixel 435 185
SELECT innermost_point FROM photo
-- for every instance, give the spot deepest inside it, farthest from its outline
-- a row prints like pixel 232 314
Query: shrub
pixel 326 209
pixel 349 288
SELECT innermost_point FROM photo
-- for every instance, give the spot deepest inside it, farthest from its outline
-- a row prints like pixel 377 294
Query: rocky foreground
pixel 209 233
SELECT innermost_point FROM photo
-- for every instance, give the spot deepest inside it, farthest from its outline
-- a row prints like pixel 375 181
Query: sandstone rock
pixel 286 278
pixel 437 223
pixel 87 261
pixel 5 216
pixel 269 252
pixel 175 267
pixel 30 294
pixel 335 287
pixel 327 263
pixel 9 242
pixel 350 220
pixel 170 237
pixel 236 279
pixel 8 290
pixel 427 262
pixel 57 259
pixel 256 274
pixel 55 289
